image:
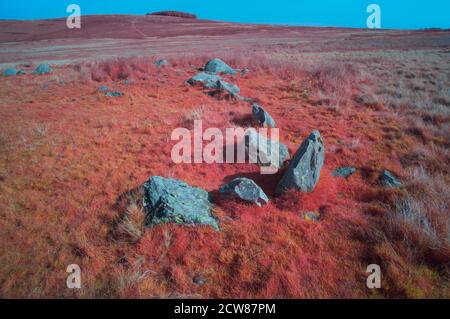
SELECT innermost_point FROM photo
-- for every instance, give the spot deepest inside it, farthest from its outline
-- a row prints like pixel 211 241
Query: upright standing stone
pixel 303 171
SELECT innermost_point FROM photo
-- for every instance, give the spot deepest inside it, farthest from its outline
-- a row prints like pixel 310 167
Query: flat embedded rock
pixel 344 172
pixel 169 200
pixel 245 189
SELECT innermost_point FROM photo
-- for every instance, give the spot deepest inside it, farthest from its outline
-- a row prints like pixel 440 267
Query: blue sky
pixel 395 14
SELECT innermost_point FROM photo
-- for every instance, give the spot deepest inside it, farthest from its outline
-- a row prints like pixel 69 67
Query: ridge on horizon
pixel 347 14
pixel 203 20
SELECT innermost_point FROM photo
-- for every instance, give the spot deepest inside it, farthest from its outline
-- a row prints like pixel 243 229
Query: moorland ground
pixel 73 161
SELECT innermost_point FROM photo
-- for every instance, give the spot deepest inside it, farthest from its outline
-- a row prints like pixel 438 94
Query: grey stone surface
pixel 262 117
pixel 311 216
pixel 259 149
pixel 9 72
pixel 162 62
pixel 388 179
pixel 224 86
pixel 169 200
pixel 204 78
pixel 103 88
pixel 228 87
pixel 245 189
pixel 218 66
pixel 344 172
pixel 43 69
pixel 303 172
pixel 113 94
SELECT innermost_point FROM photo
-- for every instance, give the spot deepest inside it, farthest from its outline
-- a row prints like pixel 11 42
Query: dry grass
pixel 70 156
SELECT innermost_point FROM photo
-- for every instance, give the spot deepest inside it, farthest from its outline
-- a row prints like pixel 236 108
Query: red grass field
pixel 72 161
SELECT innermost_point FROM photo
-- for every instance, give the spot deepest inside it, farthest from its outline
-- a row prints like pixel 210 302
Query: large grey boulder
pixel 43 69
pixel 263 151
pixel 172 201
pixel 262 117
pixel 204 78
pixel 389 180
pixel 218 66
pixel 303 171
pixel 245 189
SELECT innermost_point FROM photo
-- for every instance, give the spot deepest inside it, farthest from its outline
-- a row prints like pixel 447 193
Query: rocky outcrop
pixel 262 117
pixel 218 66
pixel 172 201
pixel 303 172
pixel 245 189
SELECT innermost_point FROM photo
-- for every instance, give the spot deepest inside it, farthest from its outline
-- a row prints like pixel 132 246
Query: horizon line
pixel 281 24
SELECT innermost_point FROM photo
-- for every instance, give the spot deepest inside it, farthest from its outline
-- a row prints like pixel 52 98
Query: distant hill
pixel 178 14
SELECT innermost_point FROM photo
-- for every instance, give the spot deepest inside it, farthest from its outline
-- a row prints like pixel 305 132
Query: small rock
pixel 245 71
pixel 9 72
pixel 204 78
pixel 262 117
pixel 389 180
pixel 113 94
pixel 247 190
pixel 259 149
pixel 169 200
pixel 344 172
pixel 162 62
pixel 218 66
pixel 311 216
pixel 103 88
pixel 43 69
pixel 199 280
pixel 303 172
